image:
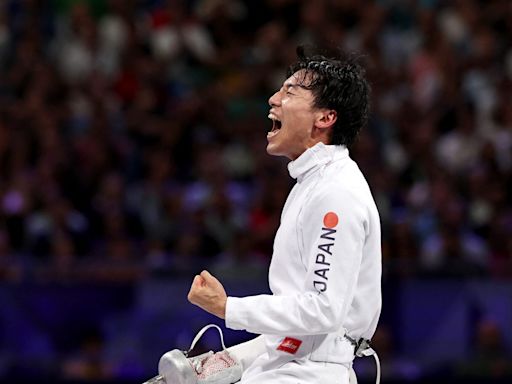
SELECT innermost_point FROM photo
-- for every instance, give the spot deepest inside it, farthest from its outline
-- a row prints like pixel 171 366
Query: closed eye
pixel 288 88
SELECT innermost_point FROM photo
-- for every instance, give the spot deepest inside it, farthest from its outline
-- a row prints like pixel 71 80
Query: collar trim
pixel 314 158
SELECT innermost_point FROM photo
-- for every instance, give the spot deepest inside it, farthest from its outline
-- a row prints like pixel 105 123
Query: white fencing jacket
pixel 325 273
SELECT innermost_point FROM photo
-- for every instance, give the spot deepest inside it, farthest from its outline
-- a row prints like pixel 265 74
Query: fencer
pixel 325 271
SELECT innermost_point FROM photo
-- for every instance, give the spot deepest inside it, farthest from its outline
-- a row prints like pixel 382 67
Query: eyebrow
pixel 289 86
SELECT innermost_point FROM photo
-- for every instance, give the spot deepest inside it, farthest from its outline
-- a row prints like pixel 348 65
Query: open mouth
pixel 276 125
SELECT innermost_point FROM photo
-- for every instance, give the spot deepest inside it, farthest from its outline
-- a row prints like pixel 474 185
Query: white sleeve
pixel 332 233
pixel 248 351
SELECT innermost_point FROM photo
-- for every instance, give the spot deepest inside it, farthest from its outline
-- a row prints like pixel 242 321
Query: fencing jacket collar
pixel 315 158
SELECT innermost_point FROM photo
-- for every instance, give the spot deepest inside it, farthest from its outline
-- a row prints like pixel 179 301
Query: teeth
pixel 271 116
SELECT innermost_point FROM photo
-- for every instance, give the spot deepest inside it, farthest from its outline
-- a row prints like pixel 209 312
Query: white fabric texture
pixel 325 273
pixel 298 371
pixel 247 352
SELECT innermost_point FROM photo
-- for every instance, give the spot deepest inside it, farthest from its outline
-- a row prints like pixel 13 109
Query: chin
pixel 276 152
pixel 271 150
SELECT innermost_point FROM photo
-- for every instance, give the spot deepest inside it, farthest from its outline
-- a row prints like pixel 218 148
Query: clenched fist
pixel 208 293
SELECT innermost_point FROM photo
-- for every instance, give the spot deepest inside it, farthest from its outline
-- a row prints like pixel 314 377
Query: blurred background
pixel 132 156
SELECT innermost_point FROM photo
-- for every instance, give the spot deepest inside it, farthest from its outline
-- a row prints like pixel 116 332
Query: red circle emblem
pixel 330 220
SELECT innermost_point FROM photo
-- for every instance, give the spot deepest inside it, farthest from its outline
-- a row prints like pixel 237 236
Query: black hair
pixel 337 84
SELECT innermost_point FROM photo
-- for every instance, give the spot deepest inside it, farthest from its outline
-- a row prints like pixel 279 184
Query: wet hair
pixel 337 84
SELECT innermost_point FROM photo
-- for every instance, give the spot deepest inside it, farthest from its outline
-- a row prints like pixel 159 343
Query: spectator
pixel 490 359
pixel 123 122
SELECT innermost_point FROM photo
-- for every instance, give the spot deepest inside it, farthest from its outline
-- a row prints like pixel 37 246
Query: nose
pixel 275 99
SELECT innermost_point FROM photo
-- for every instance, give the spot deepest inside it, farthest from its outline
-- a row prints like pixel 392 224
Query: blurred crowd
pixel 133 133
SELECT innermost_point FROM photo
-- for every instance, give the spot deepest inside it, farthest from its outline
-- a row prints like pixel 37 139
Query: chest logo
pixel 290 345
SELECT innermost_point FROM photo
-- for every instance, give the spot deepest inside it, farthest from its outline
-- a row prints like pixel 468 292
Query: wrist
pixel 222 309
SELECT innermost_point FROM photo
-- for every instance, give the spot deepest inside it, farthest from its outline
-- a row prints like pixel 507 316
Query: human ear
pixel 326 118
